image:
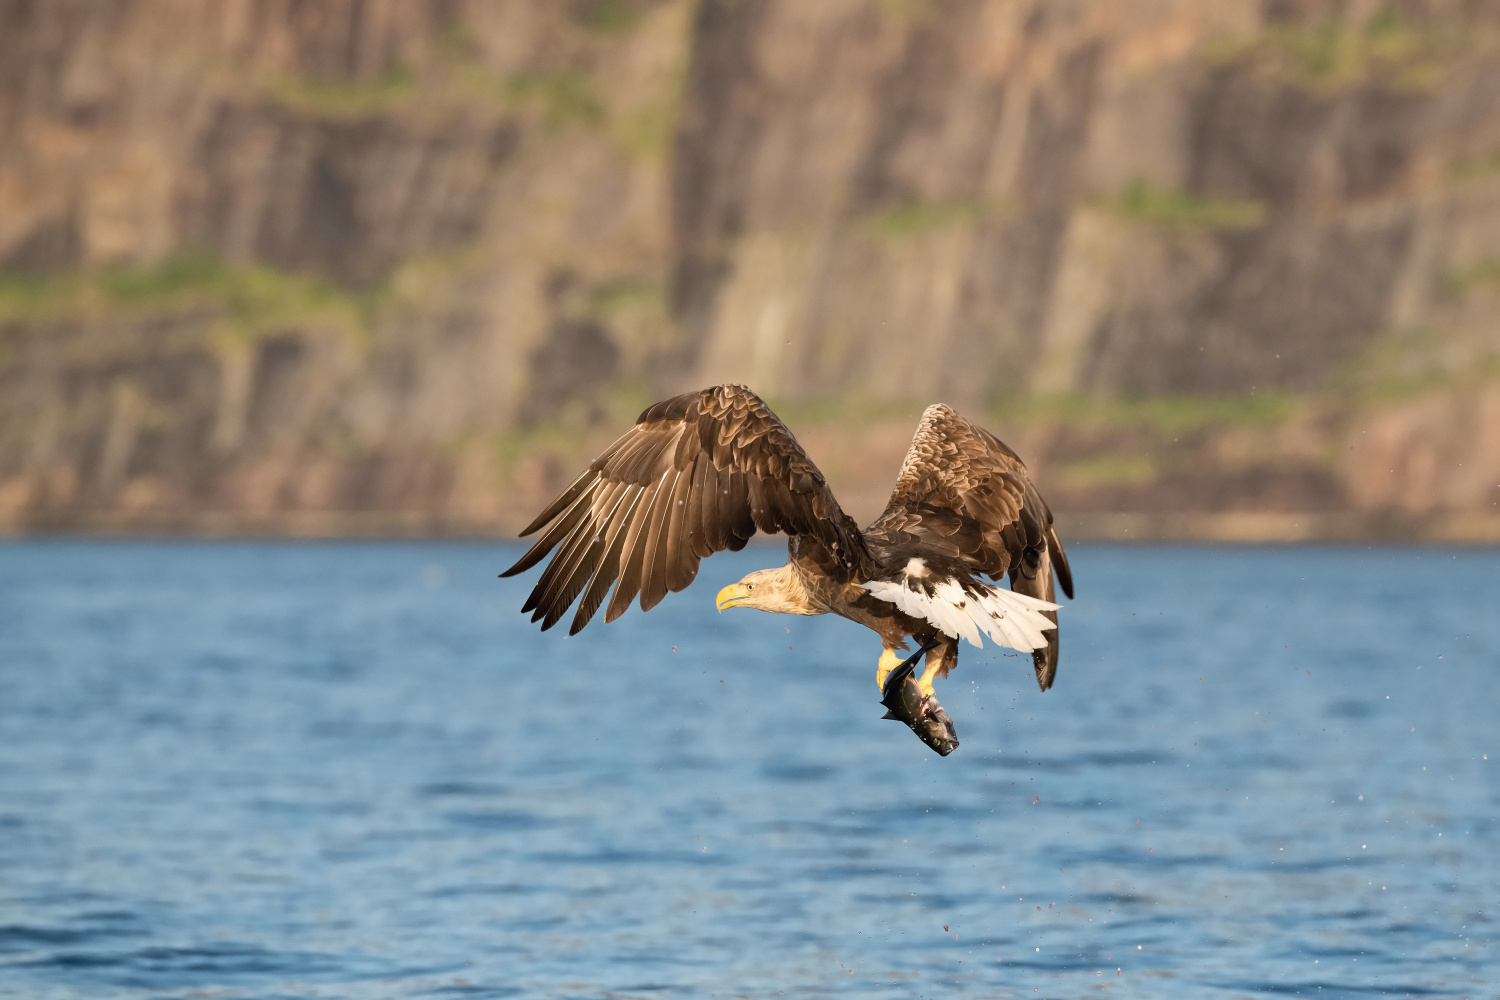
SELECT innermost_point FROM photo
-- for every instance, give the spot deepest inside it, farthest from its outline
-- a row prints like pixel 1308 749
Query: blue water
pixel 339 770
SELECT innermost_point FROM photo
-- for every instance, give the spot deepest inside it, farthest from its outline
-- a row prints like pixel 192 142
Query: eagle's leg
pixel 889 660
pixel 940 659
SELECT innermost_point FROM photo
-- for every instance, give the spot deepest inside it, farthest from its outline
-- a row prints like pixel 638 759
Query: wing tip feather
pixel 1060 567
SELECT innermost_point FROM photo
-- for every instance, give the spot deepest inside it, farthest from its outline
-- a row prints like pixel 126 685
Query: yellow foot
pixel 889 660
pixel 924 684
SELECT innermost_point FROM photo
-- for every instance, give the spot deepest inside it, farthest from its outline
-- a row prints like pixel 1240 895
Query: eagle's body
pixel 702 472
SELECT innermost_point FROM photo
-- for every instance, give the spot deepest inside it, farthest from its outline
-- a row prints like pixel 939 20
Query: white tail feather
pixel 1008 618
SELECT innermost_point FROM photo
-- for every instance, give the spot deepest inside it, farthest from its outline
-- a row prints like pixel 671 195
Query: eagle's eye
pixel 749 586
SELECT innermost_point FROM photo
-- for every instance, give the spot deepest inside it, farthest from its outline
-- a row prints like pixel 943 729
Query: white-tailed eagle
pixel 702 472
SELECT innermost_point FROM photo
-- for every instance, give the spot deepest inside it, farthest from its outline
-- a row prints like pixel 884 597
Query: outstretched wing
pixel 963 496
pixel 697 474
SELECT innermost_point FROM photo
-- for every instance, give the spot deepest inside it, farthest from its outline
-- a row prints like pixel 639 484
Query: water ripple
pixel 268 770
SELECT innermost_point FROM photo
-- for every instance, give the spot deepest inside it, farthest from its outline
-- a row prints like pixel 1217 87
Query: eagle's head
pixel 775 590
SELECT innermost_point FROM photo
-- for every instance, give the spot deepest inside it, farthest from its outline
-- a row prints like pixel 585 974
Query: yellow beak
pixel 730 594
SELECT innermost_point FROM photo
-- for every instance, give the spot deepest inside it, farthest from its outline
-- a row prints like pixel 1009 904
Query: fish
pixel 904 703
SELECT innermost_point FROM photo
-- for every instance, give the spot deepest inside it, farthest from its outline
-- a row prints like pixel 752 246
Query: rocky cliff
pixel 367 265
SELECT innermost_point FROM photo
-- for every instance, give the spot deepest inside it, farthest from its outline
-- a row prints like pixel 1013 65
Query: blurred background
pixel 1215 269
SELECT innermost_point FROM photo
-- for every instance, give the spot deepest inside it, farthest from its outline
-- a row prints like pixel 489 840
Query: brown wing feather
pixel 632 556
pixel 609 566
pixel 654 555
pixel 963 494
pixel 697 474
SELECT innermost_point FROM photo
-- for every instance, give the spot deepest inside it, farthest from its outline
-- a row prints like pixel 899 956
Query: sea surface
pixel 356 770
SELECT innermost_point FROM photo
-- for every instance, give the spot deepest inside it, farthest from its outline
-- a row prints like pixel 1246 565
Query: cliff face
pixel 271 260
pixel 356 264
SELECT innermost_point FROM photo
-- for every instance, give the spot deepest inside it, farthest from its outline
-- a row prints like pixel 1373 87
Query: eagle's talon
pixel 903 697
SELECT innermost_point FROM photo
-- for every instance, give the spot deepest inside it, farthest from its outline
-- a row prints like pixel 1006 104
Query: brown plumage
pixel 962 494
pixel 697 474
pixel 702 472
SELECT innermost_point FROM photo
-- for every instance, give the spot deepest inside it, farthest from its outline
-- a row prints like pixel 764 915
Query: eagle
pixel 704 471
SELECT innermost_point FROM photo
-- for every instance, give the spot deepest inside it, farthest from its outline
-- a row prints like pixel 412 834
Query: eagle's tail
pixel 963 607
